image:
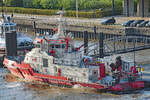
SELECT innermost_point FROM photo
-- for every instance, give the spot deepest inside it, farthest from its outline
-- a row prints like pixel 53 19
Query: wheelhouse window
pixel 12 28
pixel 52 46
pixel 57 46
pixel 6 29
pixel 45 62
pixel 63 46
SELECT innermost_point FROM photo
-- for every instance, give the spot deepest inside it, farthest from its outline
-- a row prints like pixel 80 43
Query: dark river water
pixel 10 89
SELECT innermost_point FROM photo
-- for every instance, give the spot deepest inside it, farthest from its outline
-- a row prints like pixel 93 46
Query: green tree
pixel 64 4
pixel 72 4
pixel 81 4
pixel 13 3
pixel 27 3
pixel 49 4
pixel 36 3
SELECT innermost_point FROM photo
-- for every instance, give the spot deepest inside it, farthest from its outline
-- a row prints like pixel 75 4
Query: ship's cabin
pixel 6 26
pixel 60 45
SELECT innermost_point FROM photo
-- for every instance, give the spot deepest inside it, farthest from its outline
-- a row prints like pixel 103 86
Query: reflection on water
pixel 12 89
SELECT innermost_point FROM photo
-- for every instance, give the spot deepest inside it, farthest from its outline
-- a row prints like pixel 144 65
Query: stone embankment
pixel 72 24
pixel 75 24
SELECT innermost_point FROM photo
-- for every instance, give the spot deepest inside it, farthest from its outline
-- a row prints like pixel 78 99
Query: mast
pixel 134 53
pixel 61 28
pixel 60 25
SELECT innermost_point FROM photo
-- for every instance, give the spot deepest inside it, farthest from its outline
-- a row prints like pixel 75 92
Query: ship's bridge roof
pixel 8 24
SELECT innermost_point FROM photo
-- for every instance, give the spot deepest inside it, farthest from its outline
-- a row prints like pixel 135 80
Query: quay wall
pixel 109 31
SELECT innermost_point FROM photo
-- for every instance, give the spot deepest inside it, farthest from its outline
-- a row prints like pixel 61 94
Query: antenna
pixel 61 22
pixel 134 53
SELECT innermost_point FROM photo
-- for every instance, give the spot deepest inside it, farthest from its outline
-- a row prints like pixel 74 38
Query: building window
pixel 45 62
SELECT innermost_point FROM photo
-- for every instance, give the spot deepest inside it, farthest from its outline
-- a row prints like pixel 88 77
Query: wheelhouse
pixel 6 26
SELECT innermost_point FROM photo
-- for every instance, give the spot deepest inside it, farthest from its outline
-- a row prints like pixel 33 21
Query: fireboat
pixel 56 61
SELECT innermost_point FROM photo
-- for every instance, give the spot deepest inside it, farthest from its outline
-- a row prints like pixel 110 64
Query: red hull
pixel 128 86
pixel 25 71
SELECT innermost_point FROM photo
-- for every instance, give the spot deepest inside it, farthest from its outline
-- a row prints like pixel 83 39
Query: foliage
pixel 13 3
pixel 90 14
pixel 29 10
pixel 27 4
pixel 49 4
pixel 64 4
pixel 36 4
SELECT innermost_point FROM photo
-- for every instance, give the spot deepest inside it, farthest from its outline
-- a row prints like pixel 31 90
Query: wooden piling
pixel 101 45
pixel 11 43
pixel 85 42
